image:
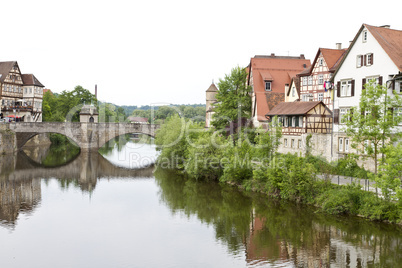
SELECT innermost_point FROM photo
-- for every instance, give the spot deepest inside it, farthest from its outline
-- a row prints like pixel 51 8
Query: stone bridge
pixel 88 136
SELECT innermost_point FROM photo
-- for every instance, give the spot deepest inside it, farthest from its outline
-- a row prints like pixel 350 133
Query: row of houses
pixel 20 94
pixel 311 97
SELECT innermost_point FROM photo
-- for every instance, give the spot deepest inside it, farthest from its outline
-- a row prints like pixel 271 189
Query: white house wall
pixel 382 66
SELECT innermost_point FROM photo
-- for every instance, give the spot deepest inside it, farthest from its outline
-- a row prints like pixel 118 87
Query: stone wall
pixel 8 141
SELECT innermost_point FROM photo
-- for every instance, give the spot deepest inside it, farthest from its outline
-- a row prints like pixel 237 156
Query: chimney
pixel 272 55
pixel 96 91
pixel 385 26
pixel 302 56
pixel 338 45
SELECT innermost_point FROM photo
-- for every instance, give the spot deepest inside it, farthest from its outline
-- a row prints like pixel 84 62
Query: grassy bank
pixel 249 160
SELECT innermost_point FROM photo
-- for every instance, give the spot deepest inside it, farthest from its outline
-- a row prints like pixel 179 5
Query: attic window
pixel 365 36
pixel 321 61
pixel 268 86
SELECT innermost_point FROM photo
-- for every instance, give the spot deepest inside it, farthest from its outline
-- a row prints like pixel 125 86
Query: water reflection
pixel 251 227
pixel 20 177
pixel 279 233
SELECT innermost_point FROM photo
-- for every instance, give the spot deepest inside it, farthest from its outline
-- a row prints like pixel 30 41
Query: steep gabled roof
pixel 332 57
pixel 31 80
pixel 293 108
pixel 5 68
pixel 389 39
pixel 295 81
pixel 277 69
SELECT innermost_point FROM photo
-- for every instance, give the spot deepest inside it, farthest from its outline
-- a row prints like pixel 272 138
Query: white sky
pixel 145 52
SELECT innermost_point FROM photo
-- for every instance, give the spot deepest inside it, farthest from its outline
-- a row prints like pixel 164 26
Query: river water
pixel 58 209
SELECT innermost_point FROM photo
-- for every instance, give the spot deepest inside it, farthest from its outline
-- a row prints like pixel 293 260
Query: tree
pixel 389 178
pixel 234 101
pixel 371 125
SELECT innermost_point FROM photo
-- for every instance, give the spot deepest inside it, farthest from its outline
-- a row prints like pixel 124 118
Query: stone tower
pixel 210 101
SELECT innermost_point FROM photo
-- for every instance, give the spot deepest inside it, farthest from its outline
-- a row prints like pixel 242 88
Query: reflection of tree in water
pixel 277 232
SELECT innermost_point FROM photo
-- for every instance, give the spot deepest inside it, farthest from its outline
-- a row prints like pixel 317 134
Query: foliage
pixel 372 122
pixel 389 178
pixel 173 140
pixel 194 112
pixel 205 156
pixel 111 113
pixel 57 106
pixel 233 99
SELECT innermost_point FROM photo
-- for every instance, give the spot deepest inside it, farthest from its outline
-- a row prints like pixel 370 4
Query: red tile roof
pixel 47 90
pixel 279 70
pixel 391 41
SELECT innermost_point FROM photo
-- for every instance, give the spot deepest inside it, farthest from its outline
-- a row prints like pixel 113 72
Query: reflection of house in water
pixel 319 246
pixel 18 196
pixel 20 179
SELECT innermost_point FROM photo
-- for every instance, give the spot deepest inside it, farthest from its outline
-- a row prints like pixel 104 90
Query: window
pixel 30 90
pixel 359 61
pixel 346 145
pixel 321 61
pixel 346 88
pixel 321 79
pixel 310 80
pixel 267 86
pixel 398 114
pixel 343 115
pixel 301 121
pixel 285 142
pixel 299 144
pixel 307 97
pixel 364 36
pixel 340 145
pixel 293 91
pixel 286 121
pixel 292 143
pixel 320 96
pixel 305 81
pixel 398 86
pixel 369 59
pixel 293 121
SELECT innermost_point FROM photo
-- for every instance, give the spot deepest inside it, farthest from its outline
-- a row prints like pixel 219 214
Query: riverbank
pixel 8 140
pixel 250 161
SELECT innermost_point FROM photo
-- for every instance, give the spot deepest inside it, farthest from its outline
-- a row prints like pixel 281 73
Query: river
pixel 60 209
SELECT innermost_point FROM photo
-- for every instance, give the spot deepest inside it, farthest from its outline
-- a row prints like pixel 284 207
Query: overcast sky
pixel 146 52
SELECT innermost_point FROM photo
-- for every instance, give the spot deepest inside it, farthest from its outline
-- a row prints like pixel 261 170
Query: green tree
pixel 389 177
pixel 371 125
pixel 234 101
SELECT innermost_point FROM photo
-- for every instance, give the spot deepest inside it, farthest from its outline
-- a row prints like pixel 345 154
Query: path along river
pixel 93 210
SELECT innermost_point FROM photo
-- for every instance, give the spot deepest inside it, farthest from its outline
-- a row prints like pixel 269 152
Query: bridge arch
pixel 88 136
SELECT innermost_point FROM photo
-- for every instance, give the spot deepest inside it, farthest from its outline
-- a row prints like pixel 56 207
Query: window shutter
pixel 372 59
pixel 338 86
pixel 336 116
pixel 352 93
pixel 363 83
pixel 380 80
pixel 365 60
pixel 393 85
pixel 361 60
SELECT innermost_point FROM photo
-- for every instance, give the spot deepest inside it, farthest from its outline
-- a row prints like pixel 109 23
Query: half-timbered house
pixel 11 85
pixel 269 77
pixel 299 119
pixel 16 100
pixel 315 82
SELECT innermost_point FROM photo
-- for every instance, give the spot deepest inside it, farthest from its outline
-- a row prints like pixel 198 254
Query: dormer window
pixel 365 36
pixel 268 86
